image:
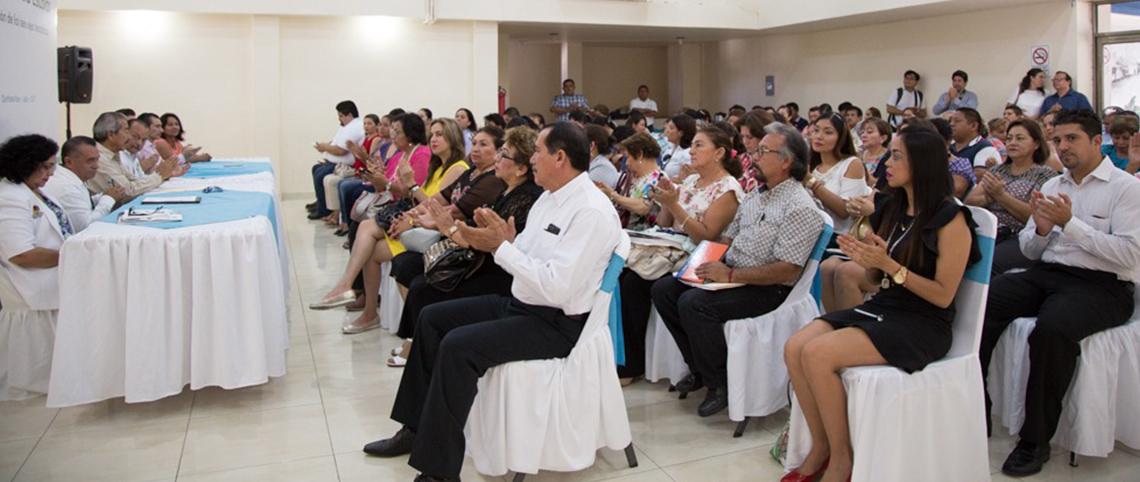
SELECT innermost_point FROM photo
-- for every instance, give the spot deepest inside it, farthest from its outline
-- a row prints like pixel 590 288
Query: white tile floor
pixel 310 424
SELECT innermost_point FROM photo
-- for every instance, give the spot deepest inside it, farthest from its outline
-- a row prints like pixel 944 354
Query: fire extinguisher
pixel 502 100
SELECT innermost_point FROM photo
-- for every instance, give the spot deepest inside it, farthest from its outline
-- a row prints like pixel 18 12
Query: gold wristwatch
pixel 900 276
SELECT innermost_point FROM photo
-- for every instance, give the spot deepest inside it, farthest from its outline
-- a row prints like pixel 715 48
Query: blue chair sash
pixel 817 254
pixel 979 272
pixel 610 285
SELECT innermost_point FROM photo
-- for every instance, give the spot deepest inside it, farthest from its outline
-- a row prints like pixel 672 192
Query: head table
pixel 147 309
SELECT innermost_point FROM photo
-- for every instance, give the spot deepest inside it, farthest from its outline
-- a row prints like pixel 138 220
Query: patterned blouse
pixel 748 180
pixel 638 188
pixel 1020 187
pixel 696 201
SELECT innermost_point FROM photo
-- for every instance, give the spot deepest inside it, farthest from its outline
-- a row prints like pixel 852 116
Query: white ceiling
pixel 529 32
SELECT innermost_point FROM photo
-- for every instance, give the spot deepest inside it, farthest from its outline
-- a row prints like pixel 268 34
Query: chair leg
pixel 1073 460
pixel 519 476
pixel 740 427
pixel 630 456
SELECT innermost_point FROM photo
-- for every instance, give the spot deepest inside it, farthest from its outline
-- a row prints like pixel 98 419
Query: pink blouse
pixel 421 160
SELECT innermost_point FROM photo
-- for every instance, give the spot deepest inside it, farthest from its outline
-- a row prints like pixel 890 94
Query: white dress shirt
pixel 1103 234
pixel 559 259
pixel 353 131
pixel 65 188
pixel 650 104
pixel 130 163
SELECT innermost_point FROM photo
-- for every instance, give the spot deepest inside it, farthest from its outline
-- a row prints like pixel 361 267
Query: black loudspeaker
pixel 76 74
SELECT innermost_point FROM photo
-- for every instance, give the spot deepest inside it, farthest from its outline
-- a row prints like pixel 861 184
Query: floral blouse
pixel 638 188
pixel 696 201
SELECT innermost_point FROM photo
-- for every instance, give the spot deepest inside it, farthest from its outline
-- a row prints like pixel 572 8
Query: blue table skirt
pixel 205 170
pixel 216 207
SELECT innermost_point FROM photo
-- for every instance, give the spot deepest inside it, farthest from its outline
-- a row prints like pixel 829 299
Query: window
pixel 1118 54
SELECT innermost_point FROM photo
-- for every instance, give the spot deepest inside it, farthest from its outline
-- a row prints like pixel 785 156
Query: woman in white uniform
pixel 32 229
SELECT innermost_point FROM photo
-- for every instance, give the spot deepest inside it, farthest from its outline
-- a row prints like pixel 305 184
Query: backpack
pixel 898 97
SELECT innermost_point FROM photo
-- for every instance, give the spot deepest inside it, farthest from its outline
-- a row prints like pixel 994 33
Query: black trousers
pixel 489 279
pixel 696 318
pixel 457 342
pixel 320 170
pixel 1070 304
pixel 1008 255
pixel 636 302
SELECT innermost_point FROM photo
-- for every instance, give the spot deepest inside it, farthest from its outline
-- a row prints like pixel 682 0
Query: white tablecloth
pixel 145 311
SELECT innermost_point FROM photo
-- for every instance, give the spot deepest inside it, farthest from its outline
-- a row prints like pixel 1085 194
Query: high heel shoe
pixel 796 476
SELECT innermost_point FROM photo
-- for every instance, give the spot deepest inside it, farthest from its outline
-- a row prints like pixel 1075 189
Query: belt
pixel 581 317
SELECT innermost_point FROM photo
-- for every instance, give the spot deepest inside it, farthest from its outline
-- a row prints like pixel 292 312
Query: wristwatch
pixel 900 276
pixel 414 188
pixel 452 229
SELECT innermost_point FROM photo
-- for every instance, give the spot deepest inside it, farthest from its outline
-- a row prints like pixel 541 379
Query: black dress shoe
pixel 1026 459
pixel 399 444
pixel 340 232
pixel 715 401
pixel 432 478
pixel 311 206
pixel 691 383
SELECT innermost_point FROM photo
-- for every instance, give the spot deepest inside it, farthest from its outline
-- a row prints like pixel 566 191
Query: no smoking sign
pixel 1039 57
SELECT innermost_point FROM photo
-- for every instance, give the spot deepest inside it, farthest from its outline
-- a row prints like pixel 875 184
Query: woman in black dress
pixel 918 252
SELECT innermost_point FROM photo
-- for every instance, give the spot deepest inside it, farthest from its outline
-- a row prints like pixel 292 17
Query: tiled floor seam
pixel 35 446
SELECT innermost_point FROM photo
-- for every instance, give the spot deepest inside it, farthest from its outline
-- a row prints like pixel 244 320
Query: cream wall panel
pixel 534 76
pixel 194 65
pixel 612 74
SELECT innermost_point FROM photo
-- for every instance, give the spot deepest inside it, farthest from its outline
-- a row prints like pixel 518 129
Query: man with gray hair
pixel 111 134
pixel 769 242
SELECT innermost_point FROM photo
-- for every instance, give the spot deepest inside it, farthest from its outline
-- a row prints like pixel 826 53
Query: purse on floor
pixel 447 264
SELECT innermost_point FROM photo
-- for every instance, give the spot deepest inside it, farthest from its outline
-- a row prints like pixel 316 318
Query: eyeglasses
pixel 765 150
pixel 505 154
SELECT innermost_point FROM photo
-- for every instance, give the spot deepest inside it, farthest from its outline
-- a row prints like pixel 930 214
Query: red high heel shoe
pixel 796 476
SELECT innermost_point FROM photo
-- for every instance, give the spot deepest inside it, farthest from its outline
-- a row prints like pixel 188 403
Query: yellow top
pixel 431 187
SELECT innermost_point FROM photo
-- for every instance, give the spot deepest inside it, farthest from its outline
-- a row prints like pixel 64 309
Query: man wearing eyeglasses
pixel 1065 98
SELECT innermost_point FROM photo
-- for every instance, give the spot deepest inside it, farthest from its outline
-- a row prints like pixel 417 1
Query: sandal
pixel 397 361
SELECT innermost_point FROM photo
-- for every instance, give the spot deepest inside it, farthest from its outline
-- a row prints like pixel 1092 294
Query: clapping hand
pixel 665 192
pixel 117 193
pixel 861 206
pixel 994 185
pixel 491 233
pixel 1133 149
pixel 606 189
pixel 1050 211
pixel 405 173
pixel 870 253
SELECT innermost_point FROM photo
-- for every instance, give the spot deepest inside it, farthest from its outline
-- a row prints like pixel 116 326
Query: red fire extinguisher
pixel 502 99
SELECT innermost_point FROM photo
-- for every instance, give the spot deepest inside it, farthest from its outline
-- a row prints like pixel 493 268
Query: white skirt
pixel 26 340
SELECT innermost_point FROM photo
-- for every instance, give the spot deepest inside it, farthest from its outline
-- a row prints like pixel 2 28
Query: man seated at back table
pixel 111 134
pixel 557 263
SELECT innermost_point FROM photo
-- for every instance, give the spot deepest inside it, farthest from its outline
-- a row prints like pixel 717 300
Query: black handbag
pixel 389 212
pixel 447 264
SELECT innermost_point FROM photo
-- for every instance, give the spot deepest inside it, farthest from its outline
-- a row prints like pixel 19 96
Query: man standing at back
pixel 957 97
pixel 643 104
pixel 906 96
pixel 1065 98
pixel 557 263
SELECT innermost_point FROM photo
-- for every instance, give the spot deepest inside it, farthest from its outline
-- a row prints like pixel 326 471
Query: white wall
pixel 195 65
pixel 865 64
pixel 613 72
pixel 249 85
pixel 534 73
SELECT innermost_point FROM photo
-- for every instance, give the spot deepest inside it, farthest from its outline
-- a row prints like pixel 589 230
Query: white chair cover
pixel 1100 404
pixel 757 377
pixel 663 358
pixel 928 425
pixel 26 340
pixel 552 414
pixel 391 303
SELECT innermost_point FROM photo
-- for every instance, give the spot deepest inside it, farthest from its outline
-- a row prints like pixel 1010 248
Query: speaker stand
pixel 68 120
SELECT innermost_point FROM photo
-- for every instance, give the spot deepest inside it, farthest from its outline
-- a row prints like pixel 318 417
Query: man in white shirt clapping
pixel 557 263
pixel 80 163
pixel 1082 228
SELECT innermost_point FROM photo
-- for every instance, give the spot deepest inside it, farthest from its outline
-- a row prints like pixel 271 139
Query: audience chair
pixel 663 359
pixel 929 425
pixel 1100 406
pixel 391 303
pixel 555 414
pixel 757 378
